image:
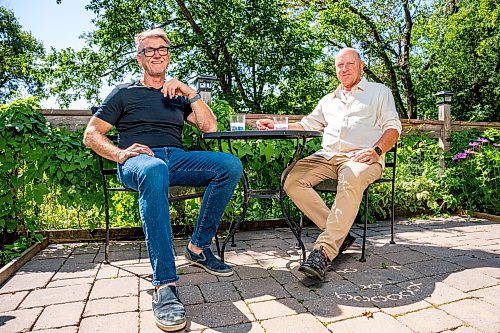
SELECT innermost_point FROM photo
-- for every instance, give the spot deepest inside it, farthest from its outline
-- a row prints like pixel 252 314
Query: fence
pixel 440 129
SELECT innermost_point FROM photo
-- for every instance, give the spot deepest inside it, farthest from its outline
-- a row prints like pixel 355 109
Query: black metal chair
pixel 176 193
pixel 330 186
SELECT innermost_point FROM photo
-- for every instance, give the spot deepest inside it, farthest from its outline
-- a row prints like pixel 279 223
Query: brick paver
pixel 443 275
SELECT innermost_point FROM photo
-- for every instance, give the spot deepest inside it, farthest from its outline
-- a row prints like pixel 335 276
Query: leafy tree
pixel 20 58
pixel 464 57
pixel 252 47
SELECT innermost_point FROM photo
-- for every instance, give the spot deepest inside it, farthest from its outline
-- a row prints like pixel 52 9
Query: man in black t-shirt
pixel 149 116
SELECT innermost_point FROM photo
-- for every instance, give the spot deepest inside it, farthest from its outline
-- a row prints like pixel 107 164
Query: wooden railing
pixel 77 119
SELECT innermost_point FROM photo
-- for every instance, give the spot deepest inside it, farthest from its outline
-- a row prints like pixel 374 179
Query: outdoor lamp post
pixel 443 97
pixel 204 86
pixel 443 101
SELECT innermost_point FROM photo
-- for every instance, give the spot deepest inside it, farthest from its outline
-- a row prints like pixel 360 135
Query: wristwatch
pixel 378 150
pixel 194 99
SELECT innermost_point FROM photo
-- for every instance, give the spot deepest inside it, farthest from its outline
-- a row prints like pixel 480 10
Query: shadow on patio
pixel 441 275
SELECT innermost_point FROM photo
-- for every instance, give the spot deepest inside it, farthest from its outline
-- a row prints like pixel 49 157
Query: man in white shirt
pixel 359 123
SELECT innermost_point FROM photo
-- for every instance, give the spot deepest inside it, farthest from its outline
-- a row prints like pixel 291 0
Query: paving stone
pixel 330 309
pixel 19 320
pixel 209 314
pixel 407 257
pixel 251 272
pixel 66 329
pixel 489 295
pixel 56 250
pixel 127 322
pixel 241 328
pixel 49 265
pixel 239 259
pixel 145 300
pixel 283 276
pixel 107 306
pixel 219 291
pixel 91 248
pixel 107 272
pixel 434 267
pixel 140 269
pixel 256 290
pixel 480 315
pixel 77 270
pixel 191 295
pixel 196 279
pixel 429 321
pixel 10 301
pixel 380 322
pixel 462 329
pixel 68 294
pixel 301 323
pixel 469 280
pixel 301 292
pixel 491 271
pixel 30 281
pixel 432 290
pixel 108 288
pixel 60 315
pixel 276 308
pixel 86 258
pixel 70 282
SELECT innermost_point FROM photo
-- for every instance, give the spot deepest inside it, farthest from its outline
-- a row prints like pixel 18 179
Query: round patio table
pixel 300 137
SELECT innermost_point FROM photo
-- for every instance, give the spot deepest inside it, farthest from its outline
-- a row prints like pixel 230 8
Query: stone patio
pixel 441 276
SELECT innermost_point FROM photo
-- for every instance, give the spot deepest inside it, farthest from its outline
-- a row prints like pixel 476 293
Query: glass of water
pixel 237 122
pixel 280 123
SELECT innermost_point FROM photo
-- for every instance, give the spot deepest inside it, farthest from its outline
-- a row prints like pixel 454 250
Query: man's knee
pixel 231 165
pixel 153 171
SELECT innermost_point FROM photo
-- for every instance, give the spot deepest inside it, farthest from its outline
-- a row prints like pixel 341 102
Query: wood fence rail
pixel 440 129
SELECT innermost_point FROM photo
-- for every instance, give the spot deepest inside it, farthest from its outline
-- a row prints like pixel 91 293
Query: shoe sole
pixel 171 328
pixel 208 270
pixel 311 273
pixel 348 245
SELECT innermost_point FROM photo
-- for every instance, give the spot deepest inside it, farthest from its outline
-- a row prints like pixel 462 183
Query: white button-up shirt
pixel 354 121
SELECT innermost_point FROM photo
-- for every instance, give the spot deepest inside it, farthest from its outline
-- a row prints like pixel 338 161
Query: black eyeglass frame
pixel 149 49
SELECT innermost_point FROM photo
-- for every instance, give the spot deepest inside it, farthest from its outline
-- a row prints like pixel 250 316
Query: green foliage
pixel 40 165
pixel 20 55
pixel 472 176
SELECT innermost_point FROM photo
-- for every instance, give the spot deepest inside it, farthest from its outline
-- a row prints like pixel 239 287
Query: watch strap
pixel 194 99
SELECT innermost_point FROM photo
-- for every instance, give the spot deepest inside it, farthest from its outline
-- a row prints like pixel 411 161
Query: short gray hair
pixel 149 34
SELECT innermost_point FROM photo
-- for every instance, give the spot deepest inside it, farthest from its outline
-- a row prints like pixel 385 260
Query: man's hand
pixel 175 87
pixel 133 150
pixel 265 124
pixel 368 156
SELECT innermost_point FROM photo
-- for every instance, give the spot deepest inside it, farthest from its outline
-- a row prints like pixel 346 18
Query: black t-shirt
pixel 142 115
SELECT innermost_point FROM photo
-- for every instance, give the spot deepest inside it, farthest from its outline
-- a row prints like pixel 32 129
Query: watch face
pixel 378 150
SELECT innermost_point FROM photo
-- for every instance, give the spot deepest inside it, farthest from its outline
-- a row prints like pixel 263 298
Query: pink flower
pixel 469 151
pixel 496 144
pixel 474 144
pixel 483 140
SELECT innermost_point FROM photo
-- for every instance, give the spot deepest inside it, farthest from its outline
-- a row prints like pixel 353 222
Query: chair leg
pixel 217 244
pixel 301 225
pixel 393 215
pixel 365 231
pixel 106 212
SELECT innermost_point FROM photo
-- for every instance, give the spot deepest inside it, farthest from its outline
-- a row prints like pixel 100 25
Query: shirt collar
pixel 360 86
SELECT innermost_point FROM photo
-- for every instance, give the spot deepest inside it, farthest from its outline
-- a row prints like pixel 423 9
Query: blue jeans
pixel 152 176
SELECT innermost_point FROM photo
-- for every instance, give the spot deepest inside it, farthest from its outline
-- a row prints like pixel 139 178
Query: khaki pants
pixel 353 178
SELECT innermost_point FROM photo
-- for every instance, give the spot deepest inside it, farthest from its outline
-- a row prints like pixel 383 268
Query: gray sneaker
pixel 168 309
pixel 208 262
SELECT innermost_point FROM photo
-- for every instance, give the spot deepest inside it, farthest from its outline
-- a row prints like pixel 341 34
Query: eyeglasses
pixel 149 52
